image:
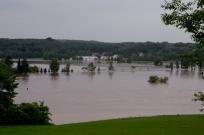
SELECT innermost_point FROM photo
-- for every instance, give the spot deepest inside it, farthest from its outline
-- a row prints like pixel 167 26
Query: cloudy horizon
pixel 104 21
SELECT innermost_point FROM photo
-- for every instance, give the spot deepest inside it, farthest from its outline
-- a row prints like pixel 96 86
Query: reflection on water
pixel 83 96
pixel 54 76
pixel 110 74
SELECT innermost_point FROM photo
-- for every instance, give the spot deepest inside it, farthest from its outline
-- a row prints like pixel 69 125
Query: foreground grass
pixel 156 125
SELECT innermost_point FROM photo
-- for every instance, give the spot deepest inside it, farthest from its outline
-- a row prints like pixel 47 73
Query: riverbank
pixel 158 125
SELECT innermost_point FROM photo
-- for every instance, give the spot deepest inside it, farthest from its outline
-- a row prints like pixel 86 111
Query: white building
pixel 87 58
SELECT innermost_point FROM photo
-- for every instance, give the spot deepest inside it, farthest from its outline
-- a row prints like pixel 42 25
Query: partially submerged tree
pixel 54 65
pixel 158 62
pixel 67 67
pixel 177 64
pixel 90 67
pixel 167 66
pixel 133 68
pixel 171 66
pixel 111 67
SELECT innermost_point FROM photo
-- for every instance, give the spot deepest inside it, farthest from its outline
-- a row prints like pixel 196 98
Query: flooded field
pixel 82 96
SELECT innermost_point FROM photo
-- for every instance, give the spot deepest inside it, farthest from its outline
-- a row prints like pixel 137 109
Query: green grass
pixel 156 125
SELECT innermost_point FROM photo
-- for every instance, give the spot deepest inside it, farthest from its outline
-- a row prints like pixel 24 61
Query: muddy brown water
pixel 82 96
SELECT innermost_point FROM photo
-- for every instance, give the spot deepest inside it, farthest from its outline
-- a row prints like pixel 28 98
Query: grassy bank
pixel 156 125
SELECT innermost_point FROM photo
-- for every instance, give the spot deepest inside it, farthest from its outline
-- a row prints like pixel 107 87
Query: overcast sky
pixel 100 20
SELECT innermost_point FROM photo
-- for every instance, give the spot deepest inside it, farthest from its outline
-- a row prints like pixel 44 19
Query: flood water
pixel 82 96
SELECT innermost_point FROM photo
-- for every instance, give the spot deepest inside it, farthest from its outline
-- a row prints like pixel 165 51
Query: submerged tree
pixel 90 67
pixel 67 67
pixel 111 67
pixel 177 64
pixel 132 68
pixel 171 66
pixel 158 62
pixel 54 65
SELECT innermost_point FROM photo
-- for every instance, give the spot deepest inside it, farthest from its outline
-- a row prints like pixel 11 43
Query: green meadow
pixel 154 125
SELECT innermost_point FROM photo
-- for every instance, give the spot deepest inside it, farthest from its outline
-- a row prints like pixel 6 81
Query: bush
pixel 158 62
pixel 163 80
pixel 155 79
pixel 25 114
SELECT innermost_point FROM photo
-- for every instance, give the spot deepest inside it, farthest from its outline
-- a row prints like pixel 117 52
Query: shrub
pixel 163 80
pixel 155 79
pixel 25 114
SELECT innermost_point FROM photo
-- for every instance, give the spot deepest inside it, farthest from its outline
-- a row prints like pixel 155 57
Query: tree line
pixel 50 48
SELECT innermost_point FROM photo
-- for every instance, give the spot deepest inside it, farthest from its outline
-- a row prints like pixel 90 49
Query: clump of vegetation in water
pixel 90 67
pixel 111 67
pixel 155 79
pixel 163 80
pixel 66 68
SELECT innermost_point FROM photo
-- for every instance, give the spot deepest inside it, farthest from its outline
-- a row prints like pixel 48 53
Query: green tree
pixel 7 86
pixel 171 66
pixel 111 67
pixel 45 70
pixel 158 62
pixel 24 67
pixel 67 67
pixel 9 61
pixel 186 15
pixel 90 67
pixel 167 66
pixel 190 17
pixel 19 66
pixel 177 64
pixel 54 65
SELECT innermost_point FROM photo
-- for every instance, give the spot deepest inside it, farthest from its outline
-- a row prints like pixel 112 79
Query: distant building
pixel 91 58
pixel 141 54
pixel 105 57
pixel 115 56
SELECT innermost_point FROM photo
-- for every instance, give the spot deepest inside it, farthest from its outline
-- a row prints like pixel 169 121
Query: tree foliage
pixel 190 17
pixel 54 65
pixel 42 48
pixel 18 114
pixel 90 68
pixel 9 61
pixel 158 62
pixel 23 66
pixel 7 85
pixel 111 67
pixel 155 79
pixel 199 97
pixel 186 15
